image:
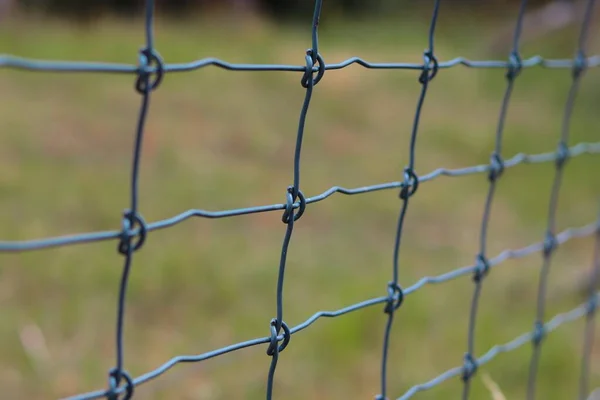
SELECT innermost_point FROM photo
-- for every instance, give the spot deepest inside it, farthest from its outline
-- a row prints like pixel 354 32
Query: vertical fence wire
pixel 550 245
pixel 411 183
pixel 495 171
pixel 132 218
pixel 294 193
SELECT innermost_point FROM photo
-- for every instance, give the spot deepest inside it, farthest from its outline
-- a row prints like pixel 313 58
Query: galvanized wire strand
pixel 90 237
pixel 497 261
pixel 411 183
pixel 31 64
pixel 495 172
pixel 563 156
pixel 588 336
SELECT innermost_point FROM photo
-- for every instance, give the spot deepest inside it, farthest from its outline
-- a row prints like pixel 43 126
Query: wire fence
pixel 134 230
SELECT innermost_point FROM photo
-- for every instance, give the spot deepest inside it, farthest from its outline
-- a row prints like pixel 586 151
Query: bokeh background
pixel 218 139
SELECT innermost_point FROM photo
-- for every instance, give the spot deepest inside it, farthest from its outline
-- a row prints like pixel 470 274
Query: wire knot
pixel 562 154
pixel 114 380
pixel 515 65
pixel 410 183
pixel 311 59
pixel 289 205
pixel 496 167
pixel 130 221
pixel 430 67
pixel 395 297
pixel 274 347
pixel 469 367
pixel 148 58
pixel 550 244
pixel 579 65
pixel 538 333
pixel 481 269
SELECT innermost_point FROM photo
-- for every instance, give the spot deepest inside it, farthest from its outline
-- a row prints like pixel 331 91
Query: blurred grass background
pixel 217 139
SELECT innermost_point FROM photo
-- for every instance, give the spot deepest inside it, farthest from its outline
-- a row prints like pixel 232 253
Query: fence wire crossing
pixel 134 230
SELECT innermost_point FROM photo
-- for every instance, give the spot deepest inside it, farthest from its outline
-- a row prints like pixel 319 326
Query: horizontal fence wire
pixel 90 237
pixel 563 237
pixel 151 70
pixel 553 324
pixel 28 64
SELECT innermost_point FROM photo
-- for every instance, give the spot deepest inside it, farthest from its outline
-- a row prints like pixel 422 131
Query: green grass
pixel 217 139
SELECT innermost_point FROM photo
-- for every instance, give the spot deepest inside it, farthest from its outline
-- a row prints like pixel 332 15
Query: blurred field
pixel 217 139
